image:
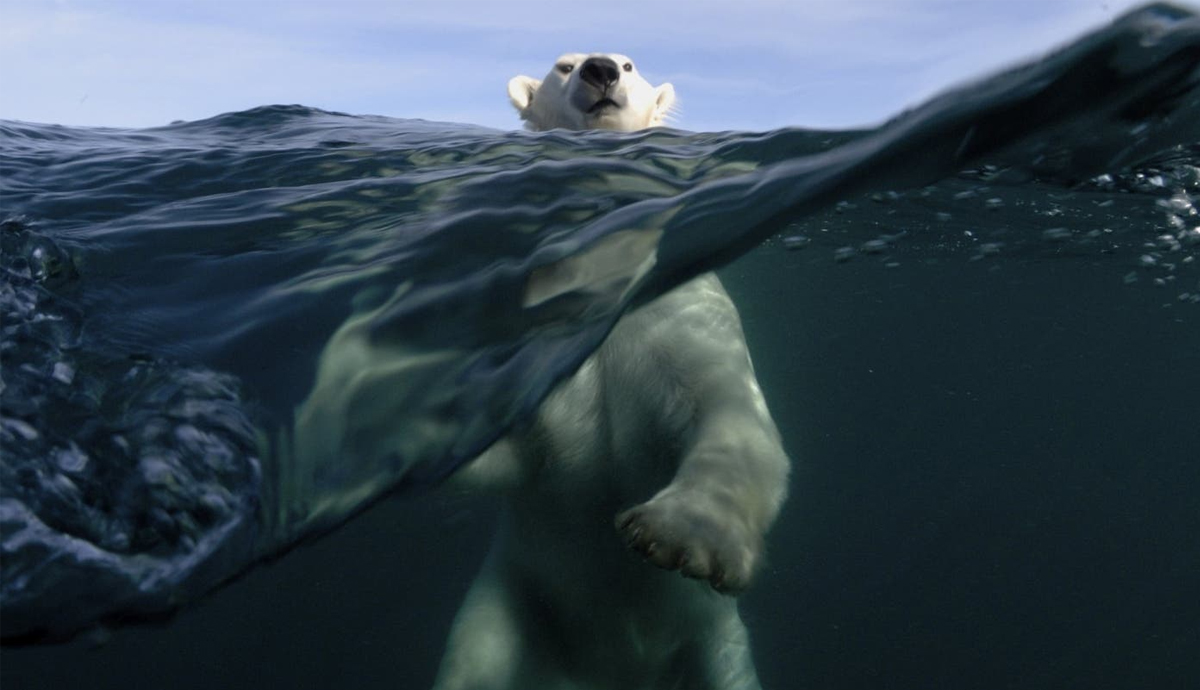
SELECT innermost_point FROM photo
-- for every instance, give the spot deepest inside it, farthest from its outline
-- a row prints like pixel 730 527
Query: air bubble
pixel 1179 203
pixel 71 459
pixel 1168 242
pixel 20 428
pixel 63 373
pixel 157 471
pixel 212 506
pixel 793 242
pixel 874 247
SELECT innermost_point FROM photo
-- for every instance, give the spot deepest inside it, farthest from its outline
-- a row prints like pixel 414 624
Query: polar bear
pixel 663 433
pixel 591 92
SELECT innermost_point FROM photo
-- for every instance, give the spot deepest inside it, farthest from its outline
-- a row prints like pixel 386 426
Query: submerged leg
pixel 485 645
pixel 709 522
pixel 727 657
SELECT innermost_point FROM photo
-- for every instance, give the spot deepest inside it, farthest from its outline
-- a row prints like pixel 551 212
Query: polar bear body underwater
pixel 664 433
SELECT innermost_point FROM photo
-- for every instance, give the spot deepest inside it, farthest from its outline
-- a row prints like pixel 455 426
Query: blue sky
pixel 736 64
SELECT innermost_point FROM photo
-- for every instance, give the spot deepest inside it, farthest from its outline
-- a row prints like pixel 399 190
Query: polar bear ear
pixel 520 92
pixel 664 101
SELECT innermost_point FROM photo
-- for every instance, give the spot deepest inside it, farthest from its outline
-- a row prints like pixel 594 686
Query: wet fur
pixel 659 451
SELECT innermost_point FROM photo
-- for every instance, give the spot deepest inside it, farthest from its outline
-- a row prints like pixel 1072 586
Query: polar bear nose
pixel 600 72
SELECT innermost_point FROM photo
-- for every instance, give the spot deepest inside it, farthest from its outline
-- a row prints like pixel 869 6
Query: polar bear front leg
pixel 688 530
pixel 709 522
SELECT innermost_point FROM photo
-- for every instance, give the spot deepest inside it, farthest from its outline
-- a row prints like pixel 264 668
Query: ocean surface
pixel 977 326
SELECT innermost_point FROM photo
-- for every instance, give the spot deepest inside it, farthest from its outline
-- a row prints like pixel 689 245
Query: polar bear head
pixel 596 91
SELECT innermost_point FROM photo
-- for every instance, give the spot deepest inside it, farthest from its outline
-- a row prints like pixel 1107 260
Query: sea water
pixel 977 328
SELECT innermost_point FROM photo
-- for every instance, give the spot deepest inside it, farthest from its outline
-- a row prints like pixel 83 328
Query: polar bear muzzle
pixel 591 91
pixel 600 72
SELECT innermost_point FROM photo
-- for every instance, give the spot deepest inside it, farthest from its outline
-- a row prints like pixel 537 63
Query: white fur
pixel 662 433
pixel 562 99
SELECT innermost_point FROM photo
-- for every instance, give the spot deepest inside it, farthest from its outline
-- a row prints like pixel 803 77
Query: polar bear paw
pixel 688 531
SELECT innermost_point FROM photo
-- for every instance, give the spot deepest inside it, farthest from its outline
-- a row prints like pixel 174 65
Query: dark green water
pixel 988 382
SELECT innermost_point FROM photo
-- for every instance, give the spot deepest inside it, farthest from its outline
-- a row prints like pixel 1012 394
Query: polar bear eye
pixel 566 68
pixel 628 67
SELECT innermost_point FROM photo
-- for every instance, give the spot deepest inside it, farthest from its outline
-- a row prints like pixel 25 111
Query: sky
pixel 735 64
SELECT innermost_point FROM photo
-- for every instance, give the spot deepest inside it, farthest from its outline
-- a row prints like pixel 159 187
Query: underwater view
pixel 241 357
